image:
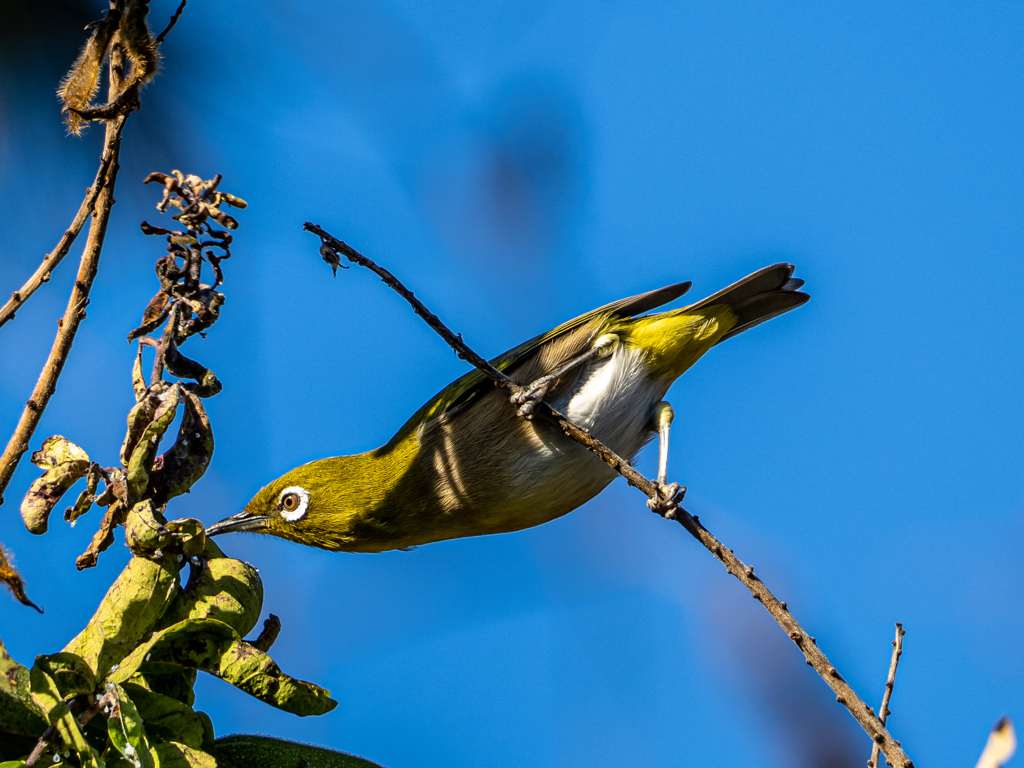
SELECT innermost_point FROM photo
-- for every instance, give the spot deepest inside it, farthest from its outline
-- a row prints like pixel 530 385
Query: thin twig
pixel 577 433
pixel 52 259
pixel 67 326
pixel 171 23
pixel 845 694
pixel 454 340
pixel 890 681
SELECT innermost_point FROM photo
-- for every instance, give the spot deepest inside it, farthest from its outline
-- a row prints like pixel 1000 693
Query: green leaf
pixel 264 752
pixel 228 590
pixel 145 451
pixel 70 672
pixel 214 647
pixel 48 698
pixel 127 613
pixel 126 732
pixel 65 464
pixel 19 714
pixel 166 718
pixel 172 755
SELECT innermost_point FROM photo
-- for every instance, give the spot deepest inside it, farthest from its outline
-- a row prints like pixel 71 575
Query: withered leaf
pixel 140 416
pixel 10 576
pixel 65 463
pixel 145 451
pixel 156 312
pixel 186 368
pixel 87 497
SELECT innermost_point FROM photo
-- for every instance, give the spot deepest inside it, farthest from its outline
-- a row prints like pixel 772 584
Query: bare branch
pixel 75 312
pixel 845 694
pixel 332 246
pixel 171 23
pixel 890 681
pixel 52 259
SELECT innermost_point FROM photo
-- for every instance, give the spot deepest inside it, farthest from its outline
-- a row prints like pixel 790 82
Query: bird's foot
pixel 528 397
pixel 668 498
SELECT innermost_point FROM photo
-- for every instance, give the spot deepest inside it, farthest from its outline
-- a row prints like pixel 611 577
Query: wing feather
pixel 469 387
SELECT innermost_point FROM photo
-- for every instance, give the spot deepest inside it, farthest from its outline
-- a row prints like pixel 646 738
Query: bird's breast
pixel 614 400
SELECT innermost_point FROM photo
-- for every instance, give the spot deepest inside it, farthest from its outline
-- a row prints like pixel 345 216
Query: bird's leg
pixel 662 422
pixel 534 392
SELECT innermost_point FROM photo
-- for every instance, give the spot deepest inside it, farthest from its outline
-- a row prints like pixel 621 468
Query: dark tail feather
pixel 761 296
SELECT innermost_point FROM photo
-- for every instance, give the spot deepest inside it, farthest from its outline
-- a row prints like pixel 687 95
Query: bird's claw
pixel 667 499
pixel 527 399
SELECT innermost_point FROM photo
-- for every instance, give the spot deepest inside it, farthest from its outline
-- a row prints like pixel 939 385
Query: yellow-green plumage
pixel 466 464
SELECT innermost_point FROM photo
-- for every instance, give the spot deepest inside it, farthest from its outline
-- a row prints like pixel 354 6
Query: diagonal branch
pixel 170 25
pixel 332 246
pixel 67 326
pixel 845 694
pixel 890 681
pixel 52 259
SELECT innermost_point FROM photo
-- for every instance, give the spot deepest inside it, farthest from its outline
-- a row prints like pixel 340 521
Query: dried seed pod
pixel 80 84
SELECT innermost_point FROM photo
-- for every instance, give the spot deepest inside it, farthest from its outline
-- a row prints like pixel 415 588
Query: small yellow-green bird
pixel 468 463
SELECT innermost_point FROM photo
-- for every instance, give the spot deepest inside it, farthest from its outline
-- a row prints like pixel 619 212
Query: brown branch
pixel 332 246
pixel 890 681
pixel 845 695
pixel 171 23
pixel 67 326
pixel 124 102
pixel 52 259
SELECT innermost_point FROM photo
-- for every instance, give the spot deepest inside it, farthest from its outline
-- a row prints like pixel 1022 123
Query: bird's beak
pixel 243 521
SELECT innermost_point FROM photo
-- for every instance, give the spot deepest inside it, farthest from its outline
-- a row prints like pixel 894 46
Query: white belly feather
pixel 614 401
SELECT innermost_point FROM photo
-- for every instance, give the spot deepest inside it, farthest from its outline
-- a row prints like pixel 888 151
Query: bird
pixel 471 463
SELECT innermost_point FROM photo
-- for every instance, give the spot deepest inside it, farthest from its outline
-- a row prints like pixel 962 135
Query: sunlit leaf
pixel 127 613
pixel 65 464
pixel 214 647
pixel 126 731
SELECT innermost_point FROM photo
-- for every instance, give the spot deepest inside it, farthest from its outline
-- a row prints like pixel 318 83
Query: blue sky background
pixel 518 163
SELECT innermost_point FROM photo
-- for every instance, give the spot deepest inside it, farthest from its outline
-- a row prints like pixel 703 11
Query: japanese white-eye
pixel 467 463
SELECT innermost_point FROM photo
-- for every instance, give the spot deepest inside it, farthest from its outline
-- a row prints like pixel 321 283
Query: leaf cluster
pixel 121 692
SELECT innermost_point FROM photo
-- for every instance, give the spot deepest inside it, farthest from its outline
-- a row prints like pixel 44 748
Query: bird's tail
pixel 760 296
pixel 675 340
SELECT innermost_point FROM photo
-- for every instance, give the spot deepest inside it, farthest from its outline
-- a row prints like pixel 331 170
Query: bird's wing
pixel 468 388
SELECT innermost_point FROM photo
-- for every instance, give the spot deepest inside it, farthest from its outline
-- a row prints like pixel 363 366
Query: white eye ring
pixel 291 515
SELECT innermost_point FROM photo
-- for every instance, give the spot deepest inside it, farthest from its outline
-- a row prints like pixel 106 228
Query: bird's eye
pixel 293 502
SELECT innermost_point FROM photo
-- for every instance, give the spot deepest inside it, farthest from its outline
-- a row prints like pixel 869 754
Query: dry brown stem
pixel 75 312
pixel 845 694
pixel 331 245
pixel 170 25
pixel 890 681
pixel 52 259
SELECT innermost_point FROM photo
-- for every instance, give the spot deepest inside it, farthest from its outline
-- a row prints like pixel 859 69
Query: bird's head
pixel 308 505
